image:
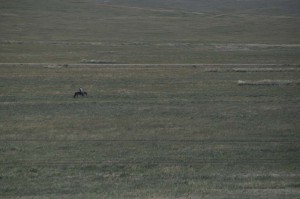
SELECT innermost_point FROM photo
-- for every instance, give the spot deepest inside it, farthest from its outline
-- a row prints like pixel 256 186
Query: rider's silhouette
pixel 81 90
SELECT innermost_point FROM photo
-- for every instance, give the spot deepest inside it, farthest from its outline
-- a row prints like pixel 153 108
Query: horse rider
pixel 81 91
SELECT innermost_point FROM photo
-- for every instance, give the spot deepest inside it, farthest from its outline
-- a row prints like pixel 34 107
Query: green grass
pixel 147 132
pixel 68 32
pixel 168 127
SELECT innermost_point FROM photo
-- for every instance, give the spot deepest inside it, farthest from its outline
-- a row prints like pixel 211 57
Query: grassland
pixel 171 131
pixel 71 31
pixel 188 99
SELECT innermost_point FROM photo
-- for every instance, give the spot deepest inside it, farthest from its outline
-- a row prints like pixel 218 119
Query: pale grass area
pixel 287 69
pixel 268 82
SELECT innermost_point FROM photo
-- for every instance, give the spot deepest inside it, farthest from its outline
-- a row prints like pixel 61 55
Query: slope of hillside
pixel 146 32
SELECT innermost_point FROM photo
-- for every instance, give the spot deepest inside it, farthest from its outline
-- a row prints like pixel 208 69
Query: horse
pixel 80 93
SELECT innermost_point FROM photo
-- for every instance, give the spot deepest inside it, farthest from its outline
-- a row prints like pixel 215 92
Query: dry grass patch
pixel 268 82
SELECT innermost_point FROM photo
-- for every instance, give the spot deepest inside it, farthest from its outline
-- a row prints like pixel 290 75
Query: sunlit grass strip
pixel 265 69
pixel 268 82
pixel 252 70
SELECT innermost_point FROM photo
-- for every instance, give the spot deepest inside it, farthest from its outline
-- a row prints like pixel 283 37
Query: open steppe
pixel 186 99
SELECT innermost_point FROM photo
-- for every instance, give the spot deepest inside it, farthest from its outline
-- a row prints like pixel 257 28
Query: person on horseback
pixel 80 92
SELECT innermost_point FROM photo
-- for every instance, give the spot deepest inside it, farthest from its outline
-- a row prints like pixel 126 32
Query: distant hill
pixel 277 7
pixel 150 31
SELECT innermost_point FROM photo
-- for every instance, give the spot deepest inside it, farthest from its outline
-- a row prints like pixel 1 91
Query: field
pixel 148 131
pixel 72 31
pixel 184 101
